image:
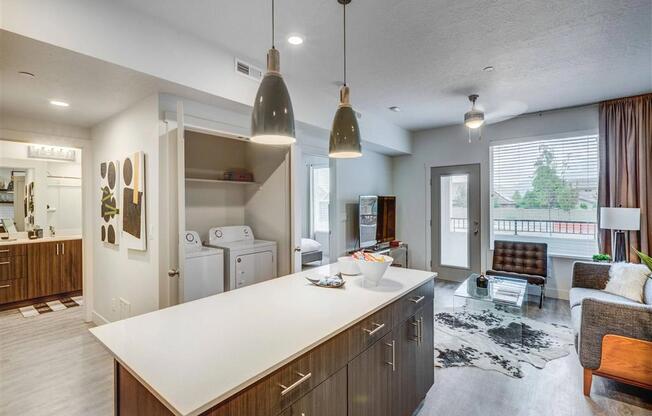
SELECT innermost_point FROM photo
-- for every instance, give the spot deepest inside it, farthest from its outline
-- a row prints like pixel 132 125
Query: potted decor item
pixel 645 259
pixel 482 282
pixel 602 258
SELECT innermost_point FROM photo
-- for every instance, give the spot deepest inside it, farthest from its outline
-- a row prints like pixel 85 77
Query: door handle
pixel 287 389
pixel 392 363
pixel 371 332
pixel 297 249
pixel 476 228
pixel 173 272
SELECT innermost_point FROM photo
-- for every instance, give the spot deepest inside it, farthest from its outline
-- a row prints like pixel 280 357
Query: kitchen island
pixel 282 347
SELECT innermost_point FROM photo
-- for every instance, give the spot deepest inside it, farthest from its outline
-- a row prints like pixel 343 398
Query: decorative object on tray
pixel 498 341
pixel 372 266
pixel 109 211
pixel 134 226
pixel 602 258
pixel 333 281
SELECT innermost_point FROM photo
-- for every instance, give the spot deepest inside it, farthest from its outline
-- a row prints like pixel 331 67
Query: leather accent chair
pixel 521 260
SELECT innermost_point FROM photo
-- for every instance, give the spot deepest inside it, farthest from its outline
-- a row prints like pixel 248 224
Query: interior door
pixel 295 208
pixel 455 220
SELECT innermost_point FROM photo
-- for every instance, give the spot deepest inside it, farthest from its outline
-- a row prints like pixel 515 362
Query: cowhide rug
pixel 495 340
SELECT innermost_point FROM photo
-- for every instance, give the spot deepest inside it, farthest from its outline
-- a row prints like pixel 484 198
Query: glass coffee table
pixel 503 293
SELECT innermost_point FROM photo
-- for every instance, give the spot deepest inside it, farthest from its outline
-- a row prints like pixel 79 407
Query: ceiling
pixel 426 56
pixel 94 89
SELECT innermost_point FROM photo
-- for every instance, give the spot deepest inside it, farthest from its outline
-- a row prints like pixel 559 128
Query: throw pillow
pixel 628 280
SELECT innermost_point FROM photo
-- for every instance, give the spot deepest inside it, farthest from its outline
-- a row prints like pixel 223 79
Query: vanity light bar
pixel 51 152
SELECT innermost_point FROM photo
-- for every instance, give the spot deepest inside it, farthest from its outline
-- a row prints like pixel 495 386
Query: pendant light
pixel 345 133
pixel 272 119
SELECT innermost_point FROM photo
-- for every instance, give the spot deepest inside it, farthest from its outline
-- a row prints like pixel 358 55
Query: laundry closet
pixel 241 191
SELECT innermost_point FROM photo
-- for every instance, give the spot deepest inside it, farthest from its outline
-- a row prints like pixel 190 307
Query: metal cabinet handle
pixel 4 263
pixel 371 332
pixel 4 286
pixel 4 251
pixel 288 389
pixel 63 248
pixel 393 362
pixel 416 328
pixel 418 299
pixel 420 331
pixel 57 249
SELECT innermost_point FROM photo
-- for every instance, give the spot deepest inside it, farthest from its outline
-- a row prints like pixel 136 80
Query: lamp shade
pixel 272 119
pixel 345 140
pixel 620 218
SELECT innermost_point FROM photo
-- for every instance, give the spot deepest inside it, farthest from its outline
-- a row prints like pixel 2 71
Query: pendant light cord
pixel 273 18
pixel 344 5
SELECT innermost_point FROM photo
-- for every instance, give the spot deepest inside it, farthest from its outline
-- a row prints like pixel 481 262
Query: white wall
pixel 369 175
pixel 449 146
pixel 120 273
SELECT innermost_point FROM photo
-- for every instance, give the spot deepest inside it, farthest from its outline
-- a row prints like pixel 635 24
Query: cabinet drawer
pixel 327 399
pixel 409 304
pixel 13 268
pixel 279 391
pixel 366 332
pixel 13 290
pixel 13 250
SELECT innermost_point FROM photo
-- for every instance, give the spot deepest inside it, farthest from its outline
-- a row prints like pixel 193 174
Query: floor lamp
pixel 620 220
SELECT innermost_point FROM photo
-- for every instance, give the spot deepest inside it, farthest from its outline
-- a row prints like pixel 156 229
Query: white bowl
pixel 373 271
pixel 348 266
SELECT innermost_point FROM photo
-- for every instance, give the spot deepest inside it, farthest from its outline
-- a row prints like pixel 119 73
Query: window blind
pixel 547 190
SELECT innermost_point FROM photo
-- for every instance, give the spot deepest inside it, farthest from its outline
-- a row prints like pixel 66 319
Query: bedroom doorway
pixel 315 241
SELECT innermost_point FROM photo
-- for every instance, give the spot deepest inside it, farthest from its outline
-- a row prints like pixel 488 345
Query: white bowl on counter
pixel 347 265
pixel 373 271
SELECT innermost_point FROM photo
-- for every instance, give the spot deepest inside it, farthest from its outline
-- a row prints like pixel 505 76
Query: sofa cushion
pixel 628 280
pixel 578 294
pixel 531 278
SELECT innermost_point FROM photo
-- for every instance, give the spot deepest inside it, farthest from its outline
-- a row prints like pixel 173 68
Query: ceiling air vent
pixel 248 70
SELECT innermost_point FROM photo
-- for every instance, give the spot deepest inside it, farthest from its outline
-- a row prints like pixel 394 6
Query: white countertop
pixel 25 240
pixel 195 355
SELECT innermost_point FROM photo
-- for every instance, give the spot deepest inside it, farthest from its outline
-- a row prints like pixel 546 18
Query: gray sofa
pixel 626 324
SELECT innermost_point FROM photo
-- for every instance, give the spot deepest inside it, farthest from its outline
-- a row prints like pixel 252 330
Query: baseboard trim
pixel 99 320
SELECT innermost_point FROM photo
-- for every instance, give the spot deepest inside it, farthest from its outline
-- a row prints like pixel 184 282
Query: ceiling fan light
pixel 474 119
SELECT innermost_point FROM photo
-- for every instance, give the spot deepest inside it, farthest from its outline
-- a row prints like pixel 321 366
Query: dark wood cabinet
pixel 369 380
pixel 327 399
pixel 381 366
pixel 13 273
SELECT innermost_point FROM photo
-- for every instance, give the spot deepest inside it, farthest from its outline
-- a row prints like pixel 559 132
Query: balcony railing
pixel 579 228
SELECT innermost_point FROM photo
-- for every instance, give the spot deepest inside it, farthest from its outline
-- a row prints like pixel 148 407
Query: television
pixel 377 220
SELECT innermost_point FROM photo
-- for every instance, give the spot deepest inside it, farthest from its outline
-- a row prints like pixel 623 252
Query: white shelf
pixel 219 181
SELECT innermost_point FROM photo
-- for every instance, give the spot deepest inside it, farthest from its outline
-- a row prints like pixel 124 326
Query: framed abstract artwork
pixel 109 208
pixel 134 225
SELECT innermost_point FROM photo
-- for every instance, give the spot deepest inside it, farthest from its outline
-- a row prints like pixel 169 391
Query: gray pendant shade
pixel 272 120
pixel 345 134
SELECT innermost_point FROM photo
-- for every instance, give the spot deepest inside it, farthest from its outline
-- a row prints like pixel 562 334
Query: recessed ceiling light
pixel 295 40
pixel 59 103
pixel 395 108
pixel 488 68
pixel 26 74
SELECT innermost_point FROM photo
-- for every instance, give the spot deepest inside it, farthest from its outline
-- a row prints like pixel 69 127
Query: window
pixel 547 191
pixel 320 195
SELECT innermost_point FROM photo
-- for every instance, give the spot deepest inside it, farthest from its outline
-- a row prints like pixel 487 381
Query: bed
pixel 310 251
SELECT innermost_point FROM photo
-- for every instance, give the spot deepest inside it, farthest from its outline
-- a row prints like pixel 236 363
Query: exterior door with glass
pixel 455 220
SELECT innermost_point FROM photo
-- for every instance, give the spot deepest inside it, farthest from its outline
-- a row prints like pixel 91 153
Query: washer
pixel 246 260
pixel 204 270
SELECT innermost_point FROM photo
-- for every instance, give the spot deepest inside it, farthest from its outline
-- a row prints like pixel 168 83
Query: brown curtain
pixel 626 165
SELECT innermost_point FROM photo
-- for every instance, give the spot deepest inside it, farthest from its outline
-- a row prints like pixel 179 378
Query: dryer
pixel 246 260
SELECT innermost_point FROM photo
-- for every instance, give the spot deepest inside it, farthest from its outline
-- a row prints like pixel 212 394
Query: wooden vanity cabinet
pixel 13 273
pixel 54 268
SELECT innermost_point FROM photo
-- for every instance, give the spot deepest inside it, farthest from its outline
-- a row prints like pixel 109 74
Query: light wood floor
pixel 554 390
pixel 51 365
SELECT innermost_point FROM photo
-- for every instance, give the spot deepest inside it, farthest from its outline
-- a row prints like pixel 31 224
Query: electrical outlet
pixel 125 309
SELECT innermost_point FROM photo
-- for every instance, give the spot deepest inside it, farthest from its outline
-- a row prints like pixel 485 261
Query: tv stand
pixel 400 253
